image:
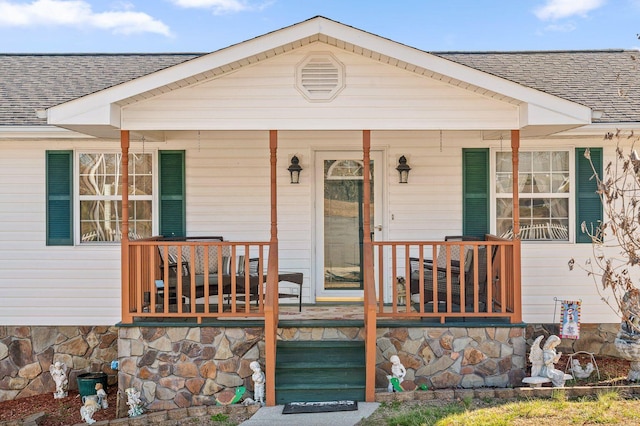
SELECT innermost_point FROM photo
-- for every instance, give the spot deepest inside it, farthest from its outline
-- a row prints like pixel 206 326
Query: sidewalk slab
pixel 269 416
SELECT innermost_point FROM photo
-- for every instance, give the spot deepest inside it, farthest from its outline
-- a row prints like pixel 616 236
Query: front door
pixel 340 224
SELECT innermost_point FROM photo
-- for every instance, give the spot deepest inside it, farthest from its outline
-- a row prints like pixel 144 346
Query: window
pixel 100 196
pixel 544 187
pixel 547 193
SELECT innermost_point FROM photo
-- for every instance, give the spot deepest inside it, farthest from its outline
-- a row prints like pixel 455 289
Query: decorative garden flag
pixel 570 320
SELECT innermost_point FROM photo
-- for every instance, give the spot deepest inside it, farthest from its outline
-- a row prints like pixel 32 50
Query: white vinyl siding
pixel 376 96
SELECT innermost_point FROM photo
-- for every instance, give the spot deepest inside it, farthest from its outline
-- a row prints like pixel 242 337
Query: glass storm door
pixel 341 222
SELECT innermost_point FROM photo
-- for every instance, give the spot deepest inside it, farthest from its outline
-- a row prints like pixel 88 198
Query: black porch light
pixel 295 169
pixel 403 169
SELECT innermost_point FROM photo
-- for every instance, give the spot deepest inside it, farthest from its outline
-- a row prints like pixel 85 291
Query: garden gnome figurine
pixel 88 409
pixel 102 396
pixel 134 402
pixel 59 376
pixel 258 382
pixel 397 372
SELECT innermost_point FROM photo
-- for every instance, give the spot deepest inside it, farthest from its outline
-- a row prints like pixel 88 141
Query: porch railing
pixel 480 283
pixel 187 278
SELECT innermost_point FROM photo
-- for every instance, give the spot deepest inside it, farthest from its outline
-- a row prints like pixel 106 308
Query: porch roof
pixel 99 114
pixel 604 81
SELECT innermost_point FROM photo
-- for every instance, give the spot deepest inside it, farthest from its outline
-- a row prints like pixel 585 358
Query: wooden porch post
pixel 517 253
pixel 369 290
pixel 127 318
pixel 271 303
pixel 366 182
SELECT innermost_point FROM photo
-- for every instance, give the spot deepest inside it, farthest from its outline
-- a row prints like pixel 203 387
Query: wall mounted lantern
pixel 295 169
pixel 403 169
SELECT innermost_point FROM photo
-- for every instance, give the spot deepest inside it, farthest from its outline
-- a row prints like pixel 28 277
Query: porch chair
pixel 455 271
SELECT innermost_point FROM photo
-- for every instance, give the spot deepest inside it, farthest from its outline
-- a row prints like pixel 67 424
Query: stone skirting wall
pixel 439 357
pixel 180 367
pixel 595 338
pixel 453 357
pixel 26 352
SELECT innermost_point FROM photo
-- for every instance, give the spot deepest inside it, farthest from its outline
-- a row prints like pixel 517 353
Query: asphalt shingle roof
pixel 604 80
pixel 36 81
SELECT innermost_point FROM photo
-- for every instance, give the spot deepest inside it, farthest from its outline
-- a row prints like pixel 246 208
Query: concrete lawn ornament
pixel 543 364
pixel 397 374
pixel 89 408
pixel 134 402
pixel 59 376
pixel 579 371
pixel 102 396
pixel 258 382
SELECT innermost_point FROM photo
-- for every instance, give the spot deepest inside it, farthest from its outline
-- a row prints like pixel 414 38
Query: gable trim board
pixel 101 112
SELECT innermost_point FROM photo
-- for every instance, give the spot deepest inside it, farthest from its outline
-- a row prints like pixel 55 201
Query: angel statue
pixel 59 376
pixel 543 361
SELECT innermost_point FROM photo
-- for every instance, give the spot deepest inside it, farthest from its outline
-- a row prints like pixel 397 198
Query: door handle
pixel 378 227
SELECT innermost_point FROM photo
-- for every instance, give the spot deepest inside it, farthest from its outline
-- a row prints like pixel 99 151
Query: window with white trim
pixel 544 187
pixel 100 196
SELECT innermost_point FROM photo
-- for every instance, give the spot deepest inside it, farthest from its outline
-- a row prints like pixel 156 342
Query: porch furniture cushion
pixel 212 266
pixel 455 273
pixel 240 279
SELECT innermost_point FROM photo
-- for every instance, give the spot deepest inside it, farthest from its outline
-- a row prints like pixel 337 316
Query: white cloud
pixel 78 13
pixel 559 9
pixel 561 28
pixel 218 6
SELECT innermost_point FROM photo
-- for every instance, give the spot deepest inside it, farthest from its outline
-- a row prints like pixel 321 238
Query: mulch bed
pixel 66 411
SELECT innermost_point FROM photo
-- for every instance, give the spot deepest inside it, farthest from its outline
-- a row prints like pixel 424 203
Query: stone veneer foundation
pixel 177 367
pixel 26 352
pixel 180 367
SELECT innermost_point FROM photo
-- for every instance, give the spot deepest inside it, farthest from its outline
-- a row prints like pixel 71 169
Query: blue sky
pixel 69 26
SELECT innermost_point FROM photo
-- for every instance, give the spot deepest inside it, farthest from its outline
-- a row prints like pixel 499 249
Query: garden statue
pixel 258 382
pixel 397 372
pixel 543 362
pixel 134 402
pixel 579 371
pixel 59 376
pixel 402 291
pixel 102 396
pixel 89 408
pixel 628 339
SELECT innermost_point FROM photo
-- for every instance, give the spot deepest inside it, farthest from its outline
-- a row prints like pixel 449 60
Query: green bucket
pixel 87 383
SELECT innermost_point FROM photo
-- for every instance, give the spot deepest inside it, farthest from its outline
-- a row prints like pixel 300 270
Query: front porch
pixel 480 297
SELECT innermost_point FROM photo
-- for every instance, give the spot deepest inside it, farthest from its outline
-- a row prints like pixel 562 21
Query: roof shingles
pixel 604 80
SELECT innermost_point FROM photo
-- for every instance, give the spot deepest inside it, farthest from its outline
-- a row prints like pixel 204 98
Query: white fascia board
pixel 573 111
pixel 600 129
pixel 94 109
pixel 73 112
pixel 537 115
pixel 38 132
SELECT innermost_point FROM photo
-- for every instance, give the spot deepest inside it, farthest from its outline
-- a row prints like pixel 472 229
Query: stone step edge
pixel 503 393
pixel 202 412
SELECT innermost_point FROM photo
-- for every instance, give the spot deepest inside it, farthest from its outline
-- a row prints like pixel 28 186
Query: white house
pixel 210 139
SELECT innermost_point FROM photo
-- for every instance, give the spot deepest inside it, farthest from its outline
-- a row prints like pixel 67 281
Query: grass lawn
pixel 608 408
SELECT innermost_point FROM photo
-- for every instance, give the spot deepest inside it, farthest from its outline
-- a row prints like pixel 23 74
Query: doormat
pixel 319 407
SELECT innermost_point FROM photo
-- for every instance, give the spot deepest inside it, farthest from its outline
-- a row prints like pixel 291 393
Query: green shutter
pixel 59 183
pixel 171 171
pixel 588 204
pixel 475 187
